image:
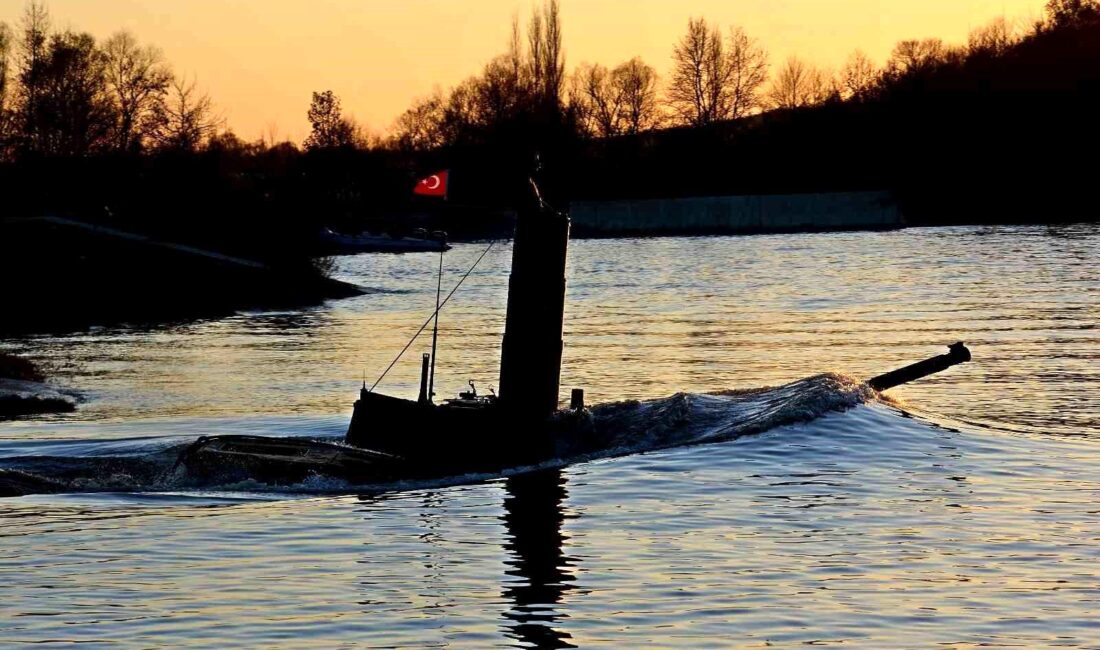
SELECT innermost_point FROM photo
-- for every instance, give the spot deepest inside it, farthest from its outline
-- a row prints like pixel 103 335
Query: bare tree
pixel 824 86
pixel 72 114
pixel 616 102
pixel 359 136
pixel 228 143
pixel 461 115
pixel 6 116
pixel 546 58
pixel 713 79
pixel 35 30
pixel 553 60
pixel 5 63
pixel 186 118
pixel 1061 13
pixel 329 128
pixel 600 102
pixel 791 85
pixel 993 39
pixel 535 49
pixel 916 56
pixel 636 83
pixel 799 84
pixel 748 69
pixel 138 79
pixel 498 93
pixel 574 103
pixel 419 127
pixel 516 92
pixel 858 75
pixel 270 135
pixel 698 91
pixel 515 49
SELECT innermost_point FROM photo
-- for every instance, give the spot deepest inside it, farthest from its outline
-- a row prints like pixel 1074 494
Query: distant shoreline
pixel 69 275
pixel 738 214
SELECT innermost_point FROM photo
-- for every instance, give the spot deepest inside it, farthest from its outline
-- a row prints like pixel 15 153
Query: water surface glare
pixel 962 514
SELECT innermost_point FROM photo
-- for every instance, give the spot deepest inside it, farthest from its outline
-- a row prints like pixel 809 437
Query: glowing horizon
pixel 260 61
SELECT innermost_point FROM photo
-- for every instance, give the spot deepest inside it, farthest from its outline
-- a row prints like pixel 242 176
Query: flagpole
pixel 437 184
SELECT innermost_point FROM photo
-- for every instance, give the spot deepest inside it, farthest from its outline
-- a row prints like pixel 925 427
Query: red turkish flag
pixel 434 185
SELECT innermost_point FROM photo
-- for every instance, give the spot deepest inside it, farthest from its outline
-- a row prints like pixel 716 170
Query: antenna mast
pixel 435 327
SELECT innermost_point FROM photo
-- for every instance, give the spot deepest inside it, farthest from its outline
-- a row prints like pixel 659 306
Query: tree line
pixel 725 119
pixel 62 93
pixel 716 76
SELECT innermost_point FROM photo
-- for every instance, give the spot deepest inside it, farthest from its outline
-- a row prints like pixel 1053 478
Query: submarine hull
pixel 449 438
pixel 286 461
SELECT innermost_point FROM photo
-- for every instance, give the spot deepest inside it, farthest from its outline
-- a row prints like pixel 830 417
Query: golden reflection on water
pixel 862 528
pixel 650 317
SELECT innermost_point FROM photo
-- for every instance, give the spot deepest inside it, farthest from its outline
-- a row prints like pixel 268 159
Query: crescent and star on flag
pixel 434 185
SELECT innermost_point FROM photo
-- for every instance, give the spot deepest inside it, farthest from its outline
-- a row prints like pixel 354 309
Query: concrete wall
pixel 733 214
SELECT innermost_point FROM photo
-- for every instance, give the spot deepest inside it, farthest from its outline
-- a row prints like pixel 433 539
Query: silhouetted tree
pixel 993 39
pixel 800 84
pixel 185 119
pixel 460 121
pixel 73 114
pixel 534 47
pixel 228 144
pixel 921 124
pixel 916 56
pixel 138 80
pixel 6 121
pixel 34 37
pixel 5 63
pixel 597 100
pixel 858 76
pixel 419 127
pixel 361 136
pixel 714 80
pixel 546 61
pixel 698 90
pixel 638 82
pixel 501 95
pixel 748 63
pixel 1062 13
pixel 515 103
pixel 329 128
pixel 616 102
pixel 270 136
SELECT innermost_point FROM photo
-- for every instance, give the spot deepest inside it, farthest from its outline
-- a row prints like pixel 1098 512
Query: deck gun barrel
pixel 957 353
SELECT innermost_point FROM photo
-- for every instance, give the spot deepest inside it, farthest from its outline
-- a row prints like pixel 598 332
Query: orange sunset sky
pixel 260 59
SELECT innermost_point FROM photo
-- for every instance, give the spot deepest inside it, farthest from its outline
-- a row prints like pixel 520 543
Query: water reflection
pixel 647 318
pixel 539 572
pixel 305 322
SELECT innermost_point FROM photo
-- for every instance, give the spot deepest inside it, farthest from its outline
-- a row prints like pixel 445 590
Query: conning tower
pixel 530 357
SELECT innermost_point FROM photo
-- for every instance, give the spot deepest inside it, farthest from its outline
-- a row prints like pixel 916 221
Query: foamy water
pixel 962 513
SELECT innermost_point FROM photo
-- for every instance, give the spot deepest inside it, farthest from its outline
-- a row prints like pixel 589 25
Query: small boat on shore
pixel 340 243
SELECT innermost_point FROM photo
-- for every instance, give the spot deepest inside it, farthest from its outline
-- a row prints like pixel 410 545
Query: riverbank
pixel 743 214
pixel 67 275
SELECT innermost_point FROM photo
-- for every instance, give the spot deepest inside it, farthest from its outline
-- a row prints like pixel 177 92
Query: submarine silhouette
pixel 390 438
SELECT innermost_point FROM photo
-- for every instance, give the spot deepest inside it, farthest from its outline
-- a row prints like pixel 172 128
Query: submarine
pixel 391 438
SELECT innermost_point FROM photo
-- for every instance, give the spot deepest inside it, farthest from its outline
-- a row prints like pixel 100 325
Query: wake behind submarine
pixel 391 438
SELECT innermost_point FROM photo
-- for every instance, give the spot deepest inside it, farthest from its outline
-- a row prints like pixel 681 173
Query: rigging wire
pixel 434 315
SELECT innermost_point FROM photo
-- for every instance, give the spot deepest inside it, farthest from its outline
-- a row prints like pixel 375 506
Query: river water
pixel 957 512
